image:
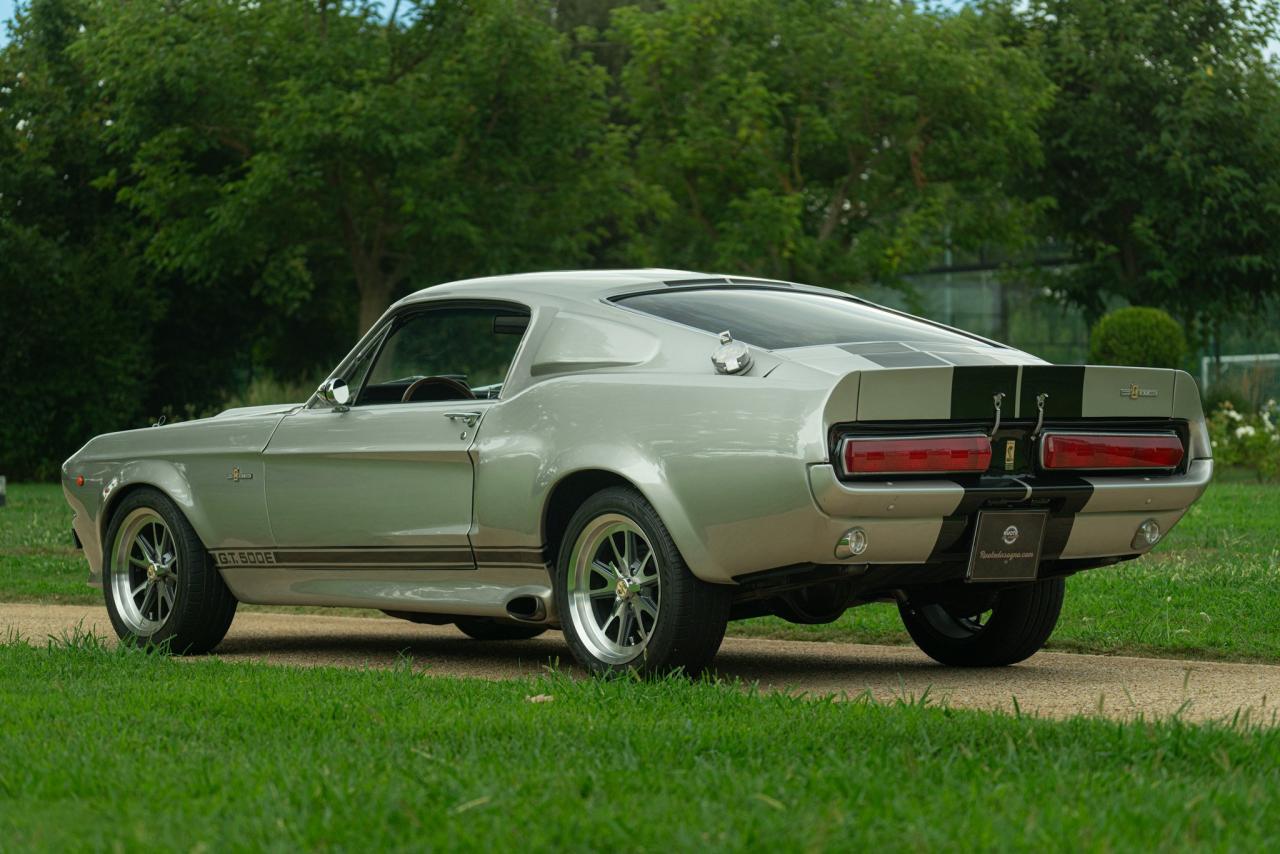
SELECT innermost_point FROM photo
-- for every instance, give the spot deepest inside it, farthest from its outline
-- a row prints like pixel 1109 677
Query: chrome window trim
pixel 377 336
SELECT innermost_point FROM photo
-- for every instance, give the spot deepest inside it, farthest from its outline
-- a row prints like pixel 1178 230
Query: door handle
pixel 469 417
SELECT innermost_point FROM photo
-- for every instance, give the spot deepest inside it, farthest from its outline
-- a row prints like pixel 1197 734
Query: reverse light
pixel 1110 451
pixel 880 455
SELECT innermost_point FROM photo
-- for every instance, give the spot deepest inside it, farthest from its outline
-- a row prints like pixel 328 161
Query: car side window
pixel 445 354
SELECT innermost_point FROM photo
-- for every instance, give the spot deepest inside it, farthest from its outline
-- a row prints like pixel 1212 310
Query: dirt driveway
pixel 1050 684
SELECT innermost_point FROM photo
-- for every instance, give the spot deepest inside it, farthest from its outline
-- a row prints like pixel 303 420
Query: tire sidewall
pixel 623 502
pixel 156 502
pixel 1007 638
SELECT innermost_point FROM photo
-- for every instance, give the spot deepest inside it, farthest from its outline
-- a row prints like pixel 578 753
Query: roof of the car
pixel 577 284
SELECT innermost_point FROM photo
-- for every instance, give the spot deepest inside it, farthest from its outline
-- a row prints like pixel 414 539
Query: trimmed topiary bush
pixel 1144 337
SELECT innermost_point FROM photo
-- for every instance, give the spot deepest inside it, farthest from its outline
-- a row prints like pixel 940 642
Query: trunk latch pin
pixel 998 399
pixel 1041 399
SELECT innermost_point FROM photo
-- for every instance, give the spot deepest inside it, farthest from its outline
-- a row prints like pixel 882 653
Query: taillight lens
pixel 916 454
pixel 1110 451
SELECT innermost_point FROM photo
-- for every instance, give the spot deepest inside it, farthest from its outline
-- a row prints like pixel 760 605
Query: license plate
pixel 1006 546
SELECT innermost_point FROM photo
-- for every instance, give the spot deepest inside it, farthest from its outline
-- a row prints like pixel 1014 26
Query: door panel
pixel 373 478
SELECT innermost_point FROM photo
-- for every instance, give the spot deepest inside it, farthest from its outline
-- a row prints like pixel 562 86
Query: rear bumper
pixel 930 521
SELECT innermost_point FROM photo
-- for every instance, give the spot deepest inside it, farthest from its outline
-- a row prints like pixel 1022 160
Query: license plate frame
pixel 995 557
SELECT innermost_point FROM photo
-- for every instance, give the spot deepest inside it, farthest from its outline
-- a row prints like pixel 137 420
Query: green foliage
pixel 196 193
pixel 1162 148
pixel 268 391
pixel 278 141
pixel 1145 337
pixel 75 307
pixel 1251 441
pixel 829 142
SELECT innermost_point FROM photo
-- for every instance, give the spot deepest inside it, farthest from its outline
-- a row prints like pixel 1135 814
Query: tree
pixel 282 140
pixel 1162 148
pixel 75 309
pixel 834 142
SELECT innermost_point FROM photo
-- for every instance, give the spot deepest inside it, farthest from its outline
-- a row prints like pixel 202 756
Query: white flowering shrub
pixel 1252 441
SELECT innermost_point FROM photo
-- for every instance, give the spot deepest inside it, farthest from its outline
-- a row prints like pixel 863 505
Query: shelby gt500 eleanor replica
pixel 638 457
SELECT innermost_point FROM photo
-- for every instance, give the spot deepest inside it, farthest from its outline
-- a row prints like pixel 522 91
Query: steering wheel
pixel 437 388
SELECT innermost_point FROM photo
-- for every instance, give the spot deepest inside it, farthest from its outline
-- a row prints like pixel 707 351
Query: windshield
pixel 778 320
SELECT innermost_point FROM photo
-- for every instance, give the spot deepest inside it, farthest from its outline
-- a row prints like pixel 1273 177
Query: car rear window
pixel 777 320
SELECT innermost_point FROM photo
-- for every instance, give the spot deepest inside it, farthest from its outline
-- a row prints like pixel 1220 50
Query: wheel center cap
pixel 152 572
pixel 625 588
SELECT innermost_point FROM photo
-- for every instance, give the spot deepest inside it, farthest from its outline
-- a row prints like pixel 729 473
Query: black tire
pixel 202 605
pixel 1019 622
pixel 691 614
pixel 496 630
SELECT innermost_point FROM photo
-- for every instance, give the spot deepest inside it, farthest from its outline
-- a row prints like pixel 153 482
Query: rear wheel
pixel 625 596
pixel 1010 626
pixel 159 583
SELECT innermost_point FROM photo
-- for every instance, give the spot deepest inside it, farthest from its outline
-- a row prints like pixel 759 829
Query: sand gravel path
pixel 1050 684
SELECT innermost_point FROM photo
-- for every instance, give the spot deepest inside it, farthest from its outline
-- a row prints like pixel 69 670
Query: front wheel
pixel 160 586
pixel 1009 626
pixel 627 601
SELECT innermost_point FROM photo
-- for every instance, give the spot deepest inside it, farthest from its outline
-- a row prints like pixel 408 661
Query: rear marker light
pixel 1147 536
pixel 1110 451
pixel 915 454
pixel 79 480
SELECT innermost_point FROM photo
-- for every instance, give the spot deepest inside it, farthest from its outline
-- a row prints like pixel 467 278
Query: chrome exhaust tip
pixel 528 608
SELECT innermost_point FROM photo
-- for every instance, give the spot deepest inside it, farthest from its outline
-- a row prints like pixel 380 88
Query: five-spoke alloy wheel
pixel 625 596
pixel 160 585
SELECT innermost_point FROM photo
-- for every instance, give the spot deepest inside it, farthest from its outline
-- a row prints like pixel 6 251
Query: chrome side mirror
pixel 335 393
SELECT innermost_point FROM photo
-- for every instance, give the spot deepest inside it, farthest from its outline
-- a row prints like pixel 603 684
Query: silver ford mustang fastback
pixel 639 456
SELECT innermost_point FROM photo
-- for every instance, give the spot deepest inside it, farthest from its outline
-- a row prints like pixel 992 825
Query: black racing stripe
pixel 383 557
pixel 973 390
pixel 955 528
pixel 905 360
pixel 1063 383
pixel 1063 498
pixel 522 557
pixel 875 347
pixel 1072 494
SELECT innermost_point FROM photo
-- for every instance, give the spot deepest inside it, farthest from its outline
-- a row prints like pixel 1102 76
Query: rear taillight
pixel 1110 451
pixel 915 454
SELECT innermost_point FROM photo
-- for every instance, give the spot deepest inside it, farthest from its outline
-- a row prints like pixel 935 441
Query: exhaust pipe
pixel 528 608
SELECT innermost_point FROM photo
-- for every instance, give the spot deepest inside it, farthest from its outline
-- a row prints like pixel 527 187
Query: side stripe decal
pixel 417 557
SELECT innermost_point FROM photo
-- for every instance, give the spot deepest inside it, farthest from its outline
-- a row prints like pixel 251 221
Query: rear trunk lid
pixel 968 393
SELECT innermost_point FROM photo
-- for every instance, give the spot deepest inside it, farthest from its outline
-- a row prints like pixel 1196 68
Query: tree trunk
pixel 375 296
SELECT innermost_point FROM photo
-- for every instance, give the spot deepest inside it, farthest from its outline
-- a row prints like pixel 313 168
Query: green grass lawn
pixel 122 750
pixel 1211 590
